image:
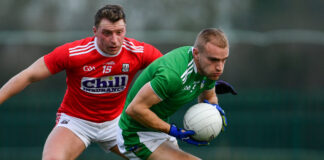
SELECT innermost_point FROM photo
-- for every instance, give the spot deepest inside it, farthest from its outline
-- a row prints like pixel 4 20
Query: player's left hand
pixel 196 143
pixel 184 135
pixel 222 113
pixel 223 87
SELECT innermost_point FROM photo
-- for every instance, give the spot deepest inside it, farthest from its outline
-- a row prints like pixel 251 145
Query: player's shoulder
pixel 133 46
pixel 178 59
pixel 81 42
pixel 131 42
pixel 77 44
pixel 183 49
pixel 85 42
pixel 80 47
pixel 183 52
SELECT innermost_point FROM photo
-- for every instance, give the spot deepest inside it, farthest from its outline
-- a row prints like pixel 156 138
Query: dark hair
pixel 111 12
pixel 213 35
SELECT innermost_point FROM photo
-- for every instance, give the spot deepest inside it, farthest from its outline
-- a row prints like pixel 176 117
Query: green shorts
pixel 140 145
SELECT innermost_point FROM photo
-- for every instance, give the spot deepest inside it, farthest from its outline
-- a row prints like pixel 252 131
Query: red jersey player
pixel 99 71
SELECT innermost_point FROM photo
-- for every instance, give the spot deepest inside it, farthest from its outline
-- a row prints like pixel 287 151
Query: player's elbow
pixel 26 76
pixel 135 111
pixel 131 111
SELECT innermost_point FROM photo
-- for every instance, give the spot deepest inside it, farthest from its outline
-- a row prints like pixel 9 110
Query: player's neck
pixel 104 53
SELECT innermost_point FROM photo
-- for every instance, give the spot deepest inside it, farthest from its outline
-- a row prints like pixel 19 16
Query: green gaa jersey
pixel 174 78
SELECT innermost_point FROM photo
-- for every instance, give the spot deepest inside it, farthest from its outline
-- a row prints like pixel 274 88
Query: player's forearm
pixel 209 95
pixel 15 85
pixel 212 100
pixel 149 119
pixel 36 72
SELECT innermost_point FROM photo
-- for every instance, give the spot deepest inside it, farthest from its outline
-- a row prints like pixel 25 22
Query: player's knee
pixel 53 156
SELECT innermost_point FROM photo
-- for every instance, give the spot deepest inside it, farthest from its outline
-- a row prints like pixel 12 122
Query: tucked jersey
pixel 174 78
pixel 97 83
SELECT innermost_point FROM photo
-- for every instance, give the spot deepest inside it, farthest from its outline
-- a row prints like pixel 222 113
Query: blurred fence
pixel 276 54
pixel 263 124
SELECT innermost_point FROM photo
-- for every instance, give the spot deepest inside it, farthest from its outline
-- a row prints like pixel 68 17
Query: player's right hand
pixel 223 87
pixel 184 135
pixel 222 113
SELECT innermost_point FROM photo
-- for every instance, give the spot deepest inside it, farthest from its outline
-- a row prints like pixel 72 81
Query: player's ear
pixel 94 29
pixel 195 53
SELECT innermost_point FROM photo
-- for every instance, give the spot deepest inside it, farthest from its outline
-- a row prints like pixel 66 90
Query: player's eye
pixel 106 33
pixel 214 59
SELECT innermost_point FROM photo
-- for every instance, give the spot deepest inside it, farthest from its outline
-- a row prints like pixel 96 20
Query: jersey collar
pixel 103 53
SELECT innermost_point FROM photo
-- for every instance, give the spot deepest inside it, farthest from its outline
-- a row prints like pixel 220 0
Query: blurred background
pixel 275 64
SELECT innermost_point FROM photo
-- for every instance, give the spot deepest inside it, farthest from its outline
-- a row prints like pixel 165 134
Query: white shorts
pixel 102 133
pixel 152 140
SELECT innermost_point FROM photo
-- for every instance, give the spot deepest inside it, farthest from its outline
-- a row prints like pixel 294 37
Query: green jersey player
pixel 167 84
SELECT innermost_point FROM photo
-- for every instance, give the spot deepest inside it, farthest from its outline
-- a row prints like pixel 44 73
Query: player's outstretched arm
pixel 35 72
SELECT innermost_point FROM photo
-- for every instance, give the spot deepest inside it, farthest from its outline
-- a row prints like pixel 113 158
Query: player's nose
pixel 219 66
pixel 113 38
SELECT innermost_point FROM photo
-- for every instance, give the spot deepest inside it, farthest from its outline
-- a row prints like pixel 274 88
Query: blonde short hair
pixel 212 35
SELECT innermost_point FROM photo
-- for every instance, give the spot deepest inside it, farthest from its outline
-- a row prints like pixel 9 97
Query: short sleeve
pixel 165 82
pixel 150 54
pixel 57 60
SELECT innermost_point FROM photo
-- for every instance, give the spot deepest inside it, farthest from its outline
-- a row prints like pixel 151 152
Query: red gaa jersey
pixel 97 83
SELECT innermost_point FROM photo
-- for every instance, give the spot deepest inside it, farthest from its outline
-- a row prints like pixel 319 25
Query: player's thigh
pixel 62 143
pixel 106 136
pixel 167 150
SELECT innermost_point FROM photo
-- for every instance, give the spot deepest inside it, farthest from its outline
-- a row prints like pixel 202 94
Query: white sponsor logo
pixel 89 68
pixel 194 86
pixel 187 88
pixel 125 67
pixel 111 63
pixel 101 85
